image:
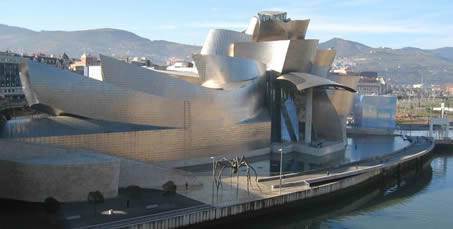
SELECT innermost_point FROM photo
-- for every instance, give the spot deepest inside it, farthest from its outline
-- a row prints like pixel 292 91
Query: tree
pixel 95 198
pixel 169 187
pixel 133 192
pixel 51 205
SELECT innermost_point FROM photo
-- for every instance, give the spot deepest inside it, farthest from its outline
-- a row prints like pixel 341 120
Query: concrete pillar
pixel 308 115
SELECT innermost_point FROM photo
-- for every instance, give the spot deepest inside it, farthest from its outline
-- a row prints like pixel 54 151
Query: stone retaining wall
pixel 36 182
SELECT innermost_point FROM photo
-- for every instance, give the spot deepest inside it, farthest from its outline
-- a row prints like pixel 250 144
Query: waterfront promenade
pixel 234 199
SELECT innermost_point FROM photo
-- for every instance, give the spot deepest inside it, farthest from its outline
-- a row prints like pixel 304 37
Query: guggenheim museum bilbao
pixel 255 89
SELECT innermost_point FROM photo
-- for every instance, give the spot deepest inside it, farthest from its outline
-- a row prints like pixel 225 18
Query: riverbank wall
pixel 199 217
pixel 444 146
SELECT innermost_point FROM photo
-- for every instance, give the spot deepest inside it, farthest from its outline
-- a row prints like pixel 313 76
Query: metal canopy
pixel 304 81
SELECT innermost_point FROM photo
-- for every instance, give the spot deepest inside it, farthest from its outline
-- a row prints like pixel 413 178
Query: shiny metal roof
pixel 304 81
pixel 40 154
pixel 64 125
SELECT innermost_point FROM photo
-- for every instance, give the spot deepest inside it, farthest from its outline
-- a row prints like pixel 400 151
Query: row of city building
pixel 10 85
pixel 422 91
pixel 371 83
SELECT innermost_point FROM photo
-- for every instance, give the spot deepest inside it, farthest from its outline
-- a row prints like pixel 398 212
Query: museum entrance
pixel 291 113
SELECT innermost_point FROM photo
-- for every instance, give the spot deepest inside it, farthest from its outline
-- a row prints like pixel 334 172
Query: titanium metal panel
pixel 327 125
pixel 372 111
pixel 69 93
pixel 235 103
pixel 322 62
pixel 304 81
pixel 63 92
pixel 253 26
pixel 289 121
pixel 274 30
pixel 272 54
pixel 280 56
pixel 168 144
pixel 218 41
pixel 343 100
pixel 191 77
pixel 225 69
pixel 64 126
pixel 131 76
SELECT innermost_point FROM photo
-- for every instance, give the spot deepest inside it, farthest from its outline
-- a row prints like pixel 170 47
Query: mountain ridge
pixel 404 65
pixel 407 65
pixel 109 41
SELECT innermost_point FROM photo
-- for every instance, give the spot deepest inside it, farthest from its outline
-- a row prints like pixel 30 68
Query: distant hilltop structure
pixel 265 16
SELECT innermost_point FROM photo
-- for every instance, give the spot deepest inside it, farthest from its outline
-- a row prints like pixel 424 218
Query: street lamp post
pixel 213 177
pixel 213 168
pixel 281 167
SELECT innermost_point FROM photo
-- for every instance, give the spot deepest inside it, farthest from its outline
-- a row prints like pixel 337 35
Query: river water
pixel 423 200
pixel 358 148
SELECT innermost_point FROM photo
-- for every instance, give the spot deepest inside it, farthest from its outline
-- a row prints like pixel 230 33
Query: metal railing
pixel 122 223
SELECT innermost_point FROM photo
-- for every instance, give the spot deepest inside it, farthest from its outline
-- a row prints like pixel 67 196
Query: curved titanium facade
pixel 70 93
pixel 327 123
pixel 322 62
pixel 128 76
pixel 343 100
pixel 225 107
pixel 303 81
pixel 144 98
pixel 274 30
pixel 281 56
pixel 225 69
pixel 218 41
pixel 238 103
pixel 235 103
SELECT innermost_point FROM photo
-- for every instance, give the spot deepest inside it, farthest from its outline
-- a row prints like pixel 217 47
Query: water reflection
pixel 422 200
pixel 346 209
pixel 363 147
pixel 359 148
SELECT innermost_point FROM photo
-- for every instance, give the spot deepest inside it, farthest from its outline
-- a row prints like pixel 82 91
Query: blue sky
pixel 396 24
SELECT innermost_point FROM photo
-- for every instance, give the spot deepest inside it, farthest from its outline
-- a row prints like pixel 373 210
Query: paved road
pixel 147 218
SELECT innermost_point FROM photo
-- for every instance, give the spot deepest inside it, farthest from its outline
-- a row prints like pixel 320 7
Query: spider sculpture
pixel 234 164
